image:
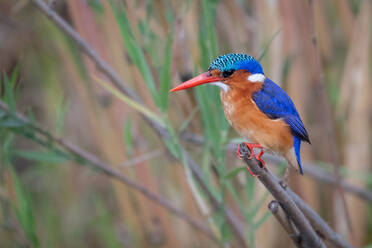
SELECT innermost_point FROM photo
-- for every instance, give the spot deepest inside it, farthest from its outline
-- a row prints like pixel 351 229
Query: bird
pixel 256 107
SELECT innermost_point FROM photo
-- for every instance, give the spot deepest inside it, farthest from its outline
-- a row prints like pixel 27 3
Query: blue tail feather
pixel 297 146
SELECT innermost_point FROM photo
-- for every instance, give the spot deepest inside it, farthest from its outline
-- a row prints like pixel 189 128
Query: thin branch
pixel 143 157
pixel 115 79
pixel 231 218
pixel 109 171
pixel 285 222
pixel 308 237
pixel 320 226
pixel 310 169
pixel 163 133
pixel 316 173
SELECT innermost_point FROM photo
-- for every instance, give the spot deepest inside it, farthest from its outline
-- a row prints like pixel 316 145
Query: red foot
pixel 250 172
pixel 258 157
pixel 250 147
pixel 240 156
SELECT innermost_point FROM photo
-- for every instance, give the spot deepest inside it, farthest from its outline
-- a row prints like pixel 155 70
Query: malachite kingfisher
pixel 256 107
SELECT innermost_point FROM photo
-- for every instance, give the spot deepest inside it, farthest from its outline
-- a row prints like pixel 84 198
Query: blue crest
pixel 236 61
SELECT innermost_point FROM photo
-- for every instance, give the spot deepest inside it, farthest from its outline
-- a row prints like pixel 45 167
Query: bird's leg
pixel 240 156
pixel 258 157
pixel 251 146
pixel 251 151
pixel 251 172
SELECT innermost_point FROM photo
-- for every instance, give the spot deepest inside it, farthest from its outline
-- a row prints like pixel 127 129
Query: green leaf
pixel 250 188
pixel 96 6
pixel 132 103
pixel 8 122
pixel 172 148
pixel 165 76
pixel 188 120
pixel 41 156
pixel 172 142
pixel 105 226
pixel 134 49
pixel 286 67
pixel 24 211
pixel 128 138
pixel 15 74
pixel 258 204
pixel 220 220
pixel 235 172
pixel 6 148
pixel 208 27
pixel 213 120
pixel 10 89
pixel 9 97
pixel 61 116
pixel 266 48
pixel 214 123
pixel 2 114
pixel 261 221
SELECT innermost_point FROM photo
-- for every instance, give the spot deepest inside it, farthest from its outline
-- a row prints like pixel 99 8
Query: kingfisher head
pixel 232 70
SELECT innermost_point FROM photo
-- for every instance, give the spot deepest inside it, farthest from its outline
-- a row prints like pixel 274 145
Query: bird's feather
pixel 297 146
pixel 275 103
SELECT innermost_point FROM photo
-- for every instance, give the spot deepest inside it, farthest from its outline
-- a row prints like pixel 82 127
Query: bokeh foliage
pixel 47 201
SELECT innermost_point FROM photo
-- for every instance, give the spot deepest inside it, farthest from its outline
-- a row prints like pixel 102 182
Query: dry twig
pixel 310 169
pixel 110 171
pixel 163 133
pixel 313 170
pixel 285 222
pixel 304 218
pixel 321 227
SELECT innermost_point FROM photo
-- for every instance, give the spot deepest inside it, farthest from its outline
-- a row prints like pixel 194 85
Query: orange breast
pixel 245 117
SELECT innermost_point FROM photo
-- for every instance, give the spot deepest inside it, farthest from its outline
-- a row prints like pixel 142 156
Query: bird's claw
pixel 258 157
pixel 251 172
pixel 240 156
pixel 251 155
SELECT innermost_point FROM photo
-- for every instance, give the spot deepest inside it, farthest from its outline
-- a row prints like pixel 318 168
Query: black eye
pixel 227 73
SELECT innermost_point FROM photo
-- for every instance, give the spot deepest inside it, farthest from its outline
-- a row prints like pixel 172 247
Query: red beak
pixel 198 80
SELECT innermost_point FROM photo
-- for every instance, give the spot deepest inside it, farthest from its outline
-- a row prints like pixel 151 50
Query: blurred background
pixel 318 51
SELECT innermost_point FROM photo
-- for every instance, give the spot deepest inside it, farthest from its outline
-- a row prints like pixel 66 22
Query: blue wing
pixel 297 147
pixel 275 103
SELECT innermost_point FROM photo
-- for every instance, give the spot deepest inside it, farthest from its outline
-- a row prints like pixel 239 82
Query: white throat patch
pixel 257 77
pixel 223 86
